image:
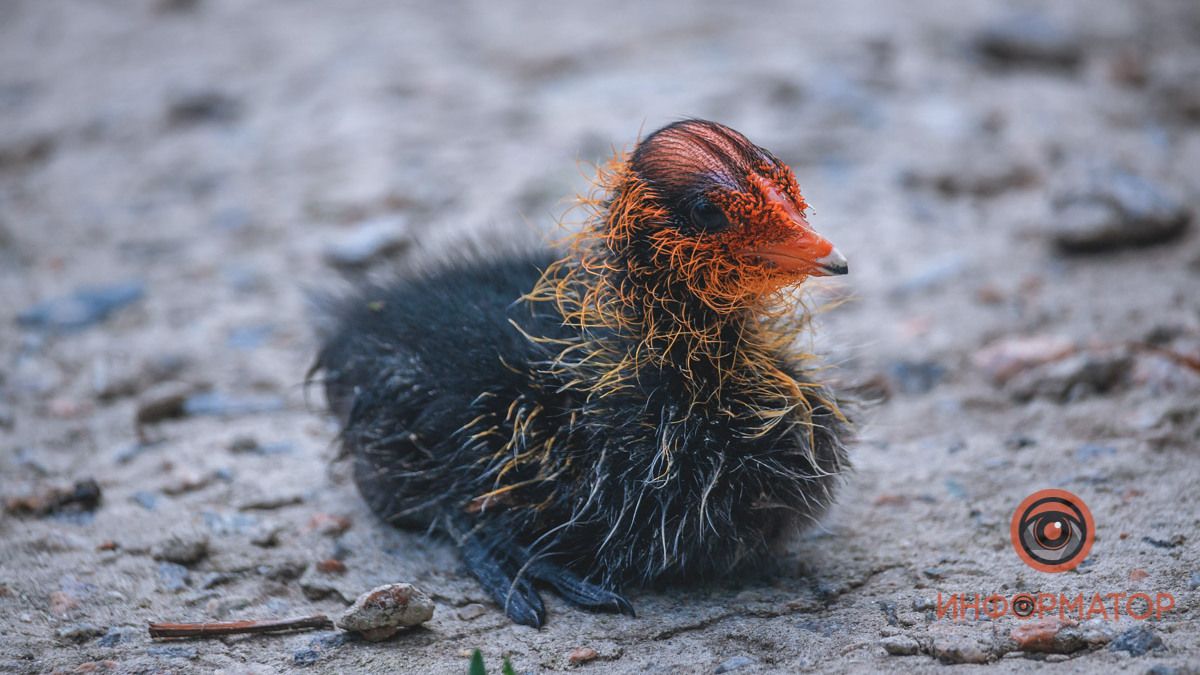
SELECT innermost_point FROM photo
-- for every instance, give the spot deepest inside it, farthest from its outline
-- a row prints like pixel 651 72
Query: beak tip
pixel 833 264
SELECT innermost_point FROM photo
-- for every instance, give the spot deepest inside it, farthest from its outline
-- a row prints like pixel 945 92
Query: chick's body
pixel 607 417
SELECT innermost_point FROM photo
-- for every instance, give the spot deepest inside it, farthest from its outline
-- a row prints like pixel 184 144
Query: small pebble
pixel 381 612
pixel 62 602
pixel 173 651
pixel 329 524
pixel 147 500
pixel 472 611
pixel 305 657
pixel 203 106
pixel 162 403
pixel 283 571
pixel 79 632
pixel 86 307
pixel 733 663
pixel 173 576
pixel 184 548
pixel 1048 636
pixel 1029 39
pixel 83 496
pixel 112 638
pixel 1137 641
pixel 331 566
pixel 582 655
pixel 370 241
pixel 955 649
pixel 900 645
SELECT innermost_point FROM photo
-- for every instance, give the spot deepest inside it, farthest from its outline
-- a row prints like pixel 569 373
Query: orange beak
pixel 804 251
pixel 808 253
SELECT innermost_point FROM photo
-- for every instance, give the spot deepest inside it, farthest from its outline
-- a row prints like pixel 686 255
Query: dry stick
pixel 219 628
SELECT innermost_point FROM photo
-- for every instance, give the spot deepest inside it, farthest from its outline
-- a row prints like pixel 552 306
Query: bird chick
pixel 633 411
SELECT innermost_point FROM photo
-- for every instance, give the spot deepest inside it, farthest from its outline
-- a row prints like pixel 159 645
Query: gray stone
pixel 1137 641
pixel 900 645
pixel 1117 210
pixel 184 548
pixel 381 612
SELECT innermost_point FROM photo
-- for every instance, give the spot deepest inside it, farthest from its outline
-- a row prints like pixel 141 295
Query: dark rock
pixel 283 571
pixel 85 307
pixel 83 496
pixel 1019 442
pixel 370 241
pixel 305 657
pixel 974 179
pixel 1173 542
pixel 113 637
pixel 1118 210
pixel 1073 377
pixel 26 151
pixel 1029 39
pixel 889 612
pixel 163 403
pixel 1137 641
pixel 173 576
pixel 200 107
pixel 734 663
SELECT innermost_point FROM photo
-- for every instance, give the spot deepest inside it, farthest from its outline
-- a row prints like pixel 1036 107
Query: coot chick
pixel 631 411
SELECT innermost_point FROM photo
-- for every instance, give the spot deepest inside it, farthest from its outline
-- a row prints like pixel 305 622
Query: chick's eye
pixel 708 217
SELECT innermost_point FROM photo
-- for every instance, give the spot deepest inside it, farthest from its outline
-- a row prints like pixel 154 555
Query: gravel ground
pixel 1013 192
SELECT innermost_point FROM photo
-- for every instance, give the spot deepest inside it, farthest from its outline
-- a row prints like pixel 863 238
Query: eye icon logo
pixel 1052 530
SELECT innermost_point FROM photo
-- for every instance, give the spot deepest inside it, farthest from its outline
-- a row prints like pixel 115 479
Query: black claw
pixel 516 595
pixel 577 591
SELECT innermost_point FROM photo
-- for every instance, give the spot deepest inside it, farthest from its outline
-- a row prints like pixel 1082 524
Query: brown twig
pixel 219 628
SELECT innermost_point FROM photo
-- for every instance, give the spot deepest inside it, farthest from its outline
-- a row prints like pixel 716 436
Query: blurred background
pixel 1014 185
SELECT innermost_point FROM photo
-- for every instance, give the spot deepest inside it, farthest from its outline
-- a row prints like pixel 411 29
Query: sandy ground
pixel 213 155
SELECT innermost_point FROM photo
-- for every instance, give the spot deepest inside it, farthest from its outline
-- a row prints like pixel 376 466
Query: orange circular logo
pixel 1052 530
